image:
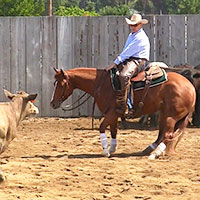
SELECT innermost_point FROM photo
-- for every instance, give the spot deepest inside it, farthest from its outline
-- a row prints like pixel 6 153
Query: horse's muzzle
pixel 55 105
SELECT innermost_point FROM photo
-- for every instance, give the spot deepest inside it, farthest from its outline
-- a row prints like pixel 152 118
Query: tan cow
pixel 11 113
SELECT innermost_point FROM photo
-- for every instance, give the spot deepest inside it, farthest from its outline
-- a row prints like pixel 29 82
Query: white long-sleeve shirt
pixel 137 45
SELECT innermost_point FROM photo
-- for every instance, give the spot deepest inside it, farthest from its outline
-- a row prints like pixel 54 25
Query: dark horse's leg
pixel 109 119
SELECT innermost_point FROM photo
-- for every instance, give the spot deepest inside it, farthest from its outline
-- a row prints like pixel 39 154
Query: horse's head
pixel 62 88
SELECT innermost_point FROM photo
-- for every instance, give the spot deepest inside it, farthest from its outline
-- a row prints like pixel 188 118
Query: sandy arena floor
pixel 62 159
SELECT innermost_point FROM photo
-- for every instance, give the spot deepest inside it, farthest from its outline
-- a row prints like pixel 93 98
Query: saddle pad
pixel 140 84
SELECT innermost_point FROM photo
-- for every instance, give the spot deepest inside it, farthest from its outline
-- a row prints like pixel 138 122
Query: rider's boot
pixel 121 102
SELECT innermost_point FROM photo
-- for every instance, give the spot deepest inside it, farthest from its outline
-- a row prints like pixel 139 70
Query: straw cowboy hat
pixel 136 19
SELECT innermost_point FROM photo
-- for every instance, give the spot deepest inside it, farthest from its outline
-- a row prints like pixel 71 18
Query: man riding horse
pixel 132 59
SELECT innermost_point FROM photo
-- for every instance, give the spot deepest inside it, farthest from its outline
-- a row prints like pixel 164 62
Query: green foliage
pixel 116 10
pixel 74 11
pixel 168 6
pixel 98 7
pixel 88 5
pixel 148 6
pixel 21 7
pixel 183 6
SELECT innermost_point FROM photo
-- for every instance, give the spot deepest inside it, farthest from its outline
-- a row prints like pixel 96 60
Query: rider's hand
pixel 113 65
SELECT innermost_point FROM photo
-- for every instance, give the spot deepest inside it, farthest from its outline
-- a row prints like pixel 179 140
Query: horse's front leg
pixel 113 131
pixel 111 120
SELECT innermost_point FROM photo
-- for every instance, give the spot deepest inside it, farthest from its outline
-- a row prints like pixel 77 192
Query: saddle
pixel 153 75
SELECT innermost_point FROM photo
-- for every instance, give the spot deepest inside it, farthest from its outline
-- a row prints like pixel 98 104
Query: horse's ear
pixel 55 70
pixel 63 73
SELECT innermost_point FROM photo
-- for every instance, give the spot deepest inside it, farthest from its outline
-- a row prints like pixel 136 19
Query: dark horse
pixel 175 99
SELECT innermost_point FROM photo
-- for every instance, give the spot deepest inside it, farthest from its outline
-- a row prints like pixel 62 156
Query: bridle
pixel 65 86
pixel 70 107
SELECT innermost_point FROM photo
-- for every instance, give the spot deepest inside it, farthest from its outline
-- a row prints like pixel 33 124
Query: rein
pixel 67 107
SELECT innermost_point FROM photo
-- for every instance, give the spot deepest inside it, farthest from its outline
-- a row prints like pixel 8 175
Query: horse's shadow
pixel 130 124
pixel 124 125
pixel 119 155
pixel 45 157
pixel 86 156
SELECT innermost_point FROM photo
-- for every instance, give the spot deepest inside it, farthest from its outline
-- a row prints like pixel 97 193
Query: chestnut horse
pixel 175 99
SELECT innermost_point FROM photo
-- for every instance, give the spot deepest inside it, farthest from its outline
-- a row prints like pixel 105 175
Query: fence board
pixel 193 39
pixel 162 39
pixel 65 47
pixel 33 57
pixel 48 30
pixel 177 53
pixel 150 31
pixel 80 60
pixel 18 55
pixel 5 67
pixel 113 47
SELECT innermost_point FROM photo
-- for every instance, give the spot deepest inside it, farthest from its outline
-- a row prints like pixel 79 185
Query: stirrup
pixel 130 113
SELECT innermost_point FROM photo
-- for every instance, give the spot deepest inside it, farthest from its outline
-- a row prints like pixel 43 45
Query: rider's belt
pixel 133 58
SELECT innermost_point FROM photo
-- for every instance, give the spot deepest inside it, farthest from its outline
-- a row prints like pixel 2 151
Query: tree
pixel 74 11
pixel 49 7
pixel 183 6
pixel 116 10
pixel 21 7
pixel 144 6
pixel 168 6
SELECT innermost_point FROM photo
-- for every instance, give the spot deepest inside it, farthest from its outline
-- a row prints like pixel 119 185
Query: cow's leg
pixel 3 144
pixel 2 177
pixel 2 148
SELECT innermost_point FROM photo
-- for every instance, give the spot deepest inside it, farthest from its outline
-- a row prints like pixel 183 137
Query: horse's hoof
pixel 112 150
pixel 152 157
pixel 106 153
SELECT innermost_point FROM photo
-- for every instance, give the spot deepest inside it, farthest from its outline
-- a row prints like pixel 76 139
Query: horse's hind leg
pixel 178 134
pixel 166 130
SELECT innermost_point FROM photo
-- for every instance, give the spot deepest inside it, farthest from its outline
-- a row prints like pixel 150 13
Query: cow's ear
pixel 8 94
pixel 32 97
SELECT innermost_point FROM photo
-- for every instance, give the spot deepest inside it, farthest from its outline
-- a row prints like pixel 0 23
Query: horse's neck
pixel 86 79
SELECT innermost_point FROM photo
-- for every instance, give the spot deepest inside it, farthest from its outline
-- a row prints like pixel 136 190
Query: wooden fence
pixel 31 46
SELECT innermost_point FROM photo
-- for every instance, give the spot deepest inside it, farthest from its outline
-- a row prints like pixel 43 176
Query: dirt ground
pixel 62 159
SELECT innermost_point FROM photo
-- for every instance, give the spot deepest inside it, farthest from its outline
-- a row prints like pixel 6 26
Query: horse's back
pixel 179 81
pixel 179 87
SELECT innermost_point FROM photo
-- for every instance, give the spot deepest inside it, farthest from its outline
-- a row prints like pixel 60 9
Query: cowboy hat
pixel 136 19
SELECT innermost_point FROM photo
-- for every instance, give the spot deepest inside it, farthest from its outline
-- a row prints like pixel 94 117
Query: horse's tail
pixel 178 133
